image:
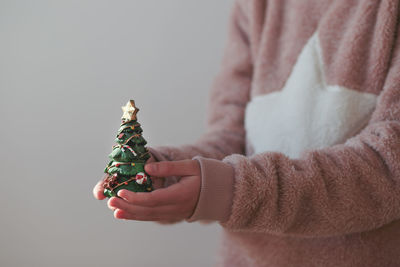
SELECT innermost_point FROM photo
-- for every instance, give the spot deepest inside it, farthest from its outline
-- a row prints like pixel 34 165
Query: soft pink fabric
pixel 218 185
pixel 335 206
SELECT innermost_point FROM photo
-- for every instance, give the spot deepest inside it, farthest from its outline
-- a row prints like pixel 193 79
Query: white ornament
pixel 141 178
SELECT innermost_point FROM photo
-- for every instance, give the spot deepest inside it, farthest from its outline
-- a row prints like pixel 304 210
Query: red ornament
pixel 121 135
pixel 117 165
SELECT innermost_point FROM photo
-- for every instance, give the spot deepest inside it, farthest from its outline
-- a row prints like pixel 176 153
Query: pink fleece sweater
pixel 301 161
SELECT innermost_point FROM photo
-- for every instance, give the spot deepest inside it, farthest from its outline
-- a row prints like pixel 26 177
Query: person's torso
pixel 319 67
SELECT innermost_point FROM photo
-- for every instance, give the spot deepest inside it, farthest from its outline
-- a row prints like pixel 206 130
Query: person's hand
pixel 174 203
pixel 99 188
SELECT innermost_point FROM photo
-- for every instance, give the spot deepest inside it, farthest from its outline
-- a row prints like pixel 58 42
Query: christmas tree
pixel 126 168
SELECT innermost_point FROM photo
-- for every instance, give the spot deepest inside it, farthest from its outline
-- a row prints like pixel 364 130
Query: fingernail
pixel 109 202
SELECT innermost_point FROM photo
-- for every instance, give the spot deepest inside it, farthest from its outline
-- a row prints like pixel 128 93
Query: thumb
pixel 173 168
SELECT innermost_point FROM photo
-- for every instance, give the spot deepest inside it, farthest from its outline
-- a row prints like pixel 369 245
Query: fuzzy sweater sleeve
pixel 341 189
pixel 227 100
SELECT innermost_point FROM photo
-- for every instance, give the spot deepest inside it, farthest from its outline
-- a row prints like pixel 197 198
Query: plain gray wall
pixel 66 68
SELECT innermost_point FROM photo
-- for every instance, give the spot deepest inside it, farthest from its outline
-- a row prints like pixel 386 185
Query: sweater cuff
pixel 216 193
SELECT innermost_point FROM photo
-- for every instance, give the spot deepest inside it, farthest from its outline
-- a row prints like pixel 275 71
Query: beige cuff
pixel 216 193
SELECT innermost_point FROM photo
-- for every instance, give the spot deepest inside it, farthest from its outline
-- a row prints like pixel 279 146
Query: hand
pixel 174 203
pixel 99 188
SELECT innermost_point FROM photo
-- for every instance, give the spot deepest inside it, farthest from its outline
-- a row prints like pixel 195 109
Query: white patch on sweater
pixel 307 113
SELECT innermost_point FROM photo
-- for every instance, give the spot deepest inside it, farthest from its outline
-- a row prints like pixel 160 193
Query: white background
pixel 66 68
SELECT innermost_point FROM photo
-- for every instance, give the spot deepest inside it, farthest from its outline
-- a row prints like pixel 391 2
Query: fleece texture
pixel 301 159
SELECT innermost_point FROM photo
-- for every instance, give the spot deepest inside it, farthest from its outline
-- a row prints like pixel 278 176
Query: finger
pixel 165 213
pixel 119 203
pixel 169 212
pixel 98 190
pixel 164 196
pixel 173 168
pixel 112 203
pixel 164 222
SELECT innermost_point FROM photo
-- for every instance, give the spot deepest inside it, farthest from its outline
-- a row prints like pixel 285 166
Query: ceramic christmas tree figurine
pixel 126 168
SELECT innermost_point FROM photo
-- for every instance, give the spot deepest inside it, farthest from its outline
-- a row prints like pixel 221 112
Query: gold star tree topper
pixel 130 111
